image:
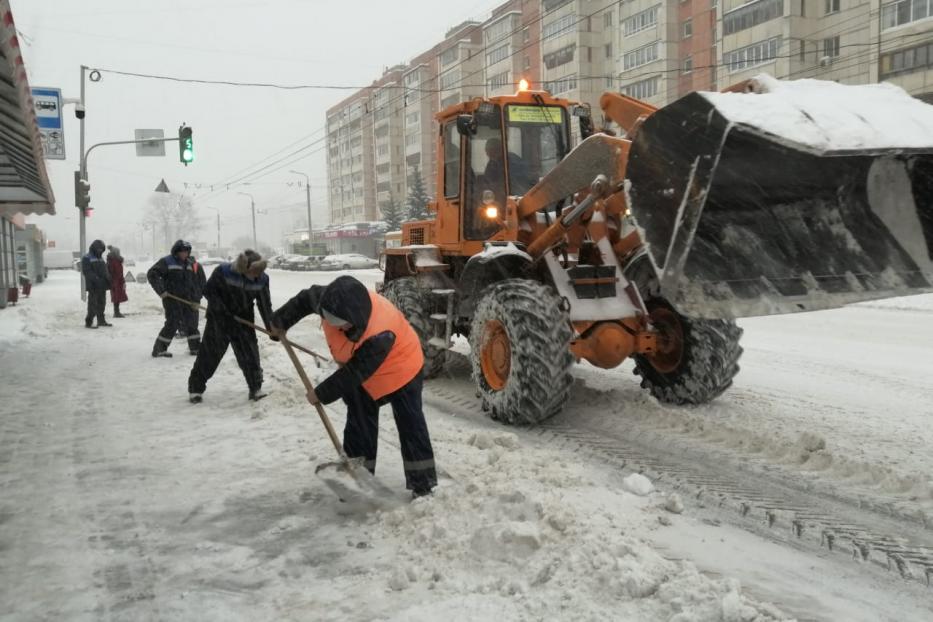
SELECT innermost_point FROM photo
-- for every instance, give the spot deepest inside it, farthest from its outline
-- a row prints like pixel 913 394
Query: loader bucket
pixel 743 221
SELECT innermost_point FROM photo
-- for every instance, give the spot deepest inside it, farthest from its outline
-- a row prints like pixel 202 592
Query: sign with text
pixel 155 148
pixel 48 106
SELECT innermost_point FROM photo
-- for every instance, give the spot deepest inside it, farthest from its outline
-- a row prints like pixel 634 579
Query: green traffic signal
pixel 185 145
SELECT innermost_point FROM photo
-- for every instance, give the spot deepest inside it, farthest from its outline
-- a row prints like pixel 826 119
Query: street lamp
pixel 308 195
pixel 216 209
pixel 252 201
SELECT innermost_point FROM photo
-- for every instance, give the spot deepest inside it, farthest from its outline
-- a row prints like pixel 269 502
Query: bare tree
pixel 173 215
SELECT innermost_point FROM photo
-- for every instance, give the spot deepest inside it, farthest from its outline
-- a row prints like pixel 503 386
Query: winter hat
pixel 179 246
pixel 249 259
pixel 97 247
pixel 113 250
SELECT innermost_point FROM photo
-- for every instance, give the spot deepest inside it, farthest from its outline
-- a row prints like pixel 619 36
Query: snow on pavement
pixel 119 499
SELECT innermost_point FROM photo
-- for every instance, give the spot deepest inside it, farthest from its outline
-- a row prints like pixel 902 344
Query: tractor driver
pixel 494 174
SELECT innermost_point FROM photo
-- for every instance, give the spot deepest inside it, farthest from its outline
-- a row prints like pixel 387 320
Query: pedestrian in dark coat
pixel 96 282
pixel 117 279
pixel 180 275
pixel 380 362
pixel 231 292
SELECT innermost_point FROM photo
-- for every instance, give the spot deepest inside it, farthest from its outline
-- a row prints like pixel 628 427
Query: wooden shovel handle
pixel 308 389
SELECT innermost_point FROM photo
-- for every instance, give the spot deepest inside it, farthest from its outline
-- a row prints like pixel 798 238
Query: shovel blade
pixel 356 486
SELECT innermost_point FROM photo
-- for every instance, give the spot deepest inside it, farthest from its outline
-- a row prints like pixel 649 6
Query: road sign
pixel 155 148
pixel 48 106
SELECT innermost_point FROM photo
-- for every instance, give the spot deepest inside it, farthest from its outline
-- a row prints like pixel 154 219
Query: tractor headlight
pixel 491 212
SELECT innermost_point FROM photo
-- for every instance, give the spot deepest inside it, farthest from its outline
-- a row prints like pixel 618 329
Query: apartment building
pixel 904 51
pixel 349 159
pixel 511 46
pixel 697 50
pixel 388 114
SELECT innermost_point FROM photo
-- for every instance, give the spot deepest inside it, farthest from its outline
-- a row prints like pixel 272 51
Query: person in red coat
pixel 117 279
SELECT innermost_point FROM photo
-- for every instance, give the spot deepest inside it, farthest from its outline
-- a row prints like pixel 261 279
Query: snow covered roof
pixel 823 116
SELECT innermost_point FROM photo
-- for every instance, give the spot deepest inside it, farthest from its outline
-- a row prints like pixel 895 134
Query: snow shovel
pixel 348 477
pixel 317 357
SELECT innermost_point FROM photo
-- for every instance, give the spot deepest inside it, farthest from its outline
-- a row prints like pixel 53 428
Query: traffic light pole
pixel 82 166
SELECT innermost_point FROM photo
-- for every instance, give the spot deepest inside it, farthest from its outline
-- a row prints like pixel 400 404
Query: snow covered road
pixel 119 500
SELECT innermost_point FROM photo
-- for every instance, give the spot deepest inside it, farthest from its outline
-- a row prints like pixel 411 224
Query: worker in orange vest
pixel 380 361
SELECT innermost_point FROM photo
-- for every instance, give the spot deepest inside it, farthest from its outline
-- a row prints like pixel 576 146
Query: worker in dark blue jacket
pixel 232 292
pixel 96 283
pixel 178 274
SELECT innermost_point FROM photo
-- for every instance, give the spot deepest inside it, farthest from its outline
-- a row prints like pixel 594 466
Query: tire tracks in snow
pixel 765 499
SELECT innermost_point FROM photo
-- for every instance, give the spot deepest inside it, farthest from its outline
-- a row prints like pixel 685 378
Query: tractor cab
pixel 493 150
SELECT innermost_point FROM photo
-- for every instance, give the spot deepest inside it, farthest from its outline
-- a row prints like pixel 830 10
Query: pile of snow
pixel 827 116
pixel 523 534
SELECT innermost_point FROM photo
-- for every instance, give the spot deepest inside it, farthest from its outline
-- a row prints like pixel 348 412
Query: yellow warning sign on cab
pixel 535 114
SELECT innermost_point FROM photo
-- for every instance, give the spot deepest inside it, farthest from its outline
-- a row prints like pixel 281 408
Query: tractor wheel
pixel 696 359
pixel 414 303
pixel 520 342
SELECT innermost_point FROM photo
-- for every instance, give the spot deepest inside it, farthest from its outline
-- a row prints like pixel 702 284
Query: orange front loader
pixel 535 256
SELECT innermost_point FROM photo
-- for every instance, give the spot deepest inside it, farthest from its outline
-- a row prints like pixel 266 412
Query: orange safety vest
pixel 405 359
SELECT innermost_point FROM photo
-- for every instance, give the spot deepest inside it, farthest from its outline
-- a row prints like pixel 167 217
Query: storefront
pixel 24 182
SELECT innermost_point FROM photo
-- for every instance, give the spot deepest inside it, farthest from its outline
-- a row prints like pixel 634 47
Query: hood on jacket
pixel 179 246
pixel 249 259
pixel 348 299
pixel 114 251
pixel 97 248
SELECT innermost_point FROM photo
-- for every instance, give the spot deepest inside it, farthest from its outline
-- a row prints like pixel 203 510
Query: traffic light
pixel 185 145
pixel 82 194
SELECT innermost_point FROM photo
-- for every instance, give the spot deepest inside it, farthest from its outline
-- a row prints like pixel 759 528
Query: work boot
pixel 195 398
pixel 257 394
pixel 163 354
pixel 103 323
pixel 89 325
pixel 116 311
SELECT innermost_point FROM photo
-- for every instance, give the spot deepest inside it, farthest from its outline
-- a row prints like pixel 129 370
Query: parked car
pixel 292 262
pixel 312 263
pixel 351 261
pixel 211 261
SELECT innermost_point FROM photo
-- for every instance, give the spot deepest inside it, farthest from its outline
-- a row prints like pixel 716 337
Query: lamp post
pixel 216 209
pixel 252 201
pixel 308 195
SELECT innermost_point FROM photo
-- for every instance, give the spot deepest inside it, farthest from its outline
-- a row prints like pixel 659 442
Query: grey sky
pixel 343 42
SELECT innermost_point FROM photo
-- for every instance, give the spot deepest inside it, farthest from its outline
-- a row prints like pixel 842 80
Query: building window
pixel 498 54
pixel 550 5
pixel 412 118
pixel 608 50
pixel 641 21
pixel 561 85
pixel 688 64
pixel 411 139
pixel 607 19
pixel 560 57
pixel 906 61
pixel 831 47
pixel 903 12
pixel 498 30
pixel 803 8
pixel 559 26
pixel 499 80
pixel 526 35
pixel 643 89
pixel 449 56
pixel 641 56
pixel 752 55
pixel 527 64
pixel 688 29
pixel 752 14
pixel 450 100
pixel 831 6
pixel 450 79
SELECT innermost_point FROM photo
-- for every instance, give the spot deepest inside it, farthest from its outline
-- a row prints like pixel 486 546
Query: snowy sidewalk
pixel 120 500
